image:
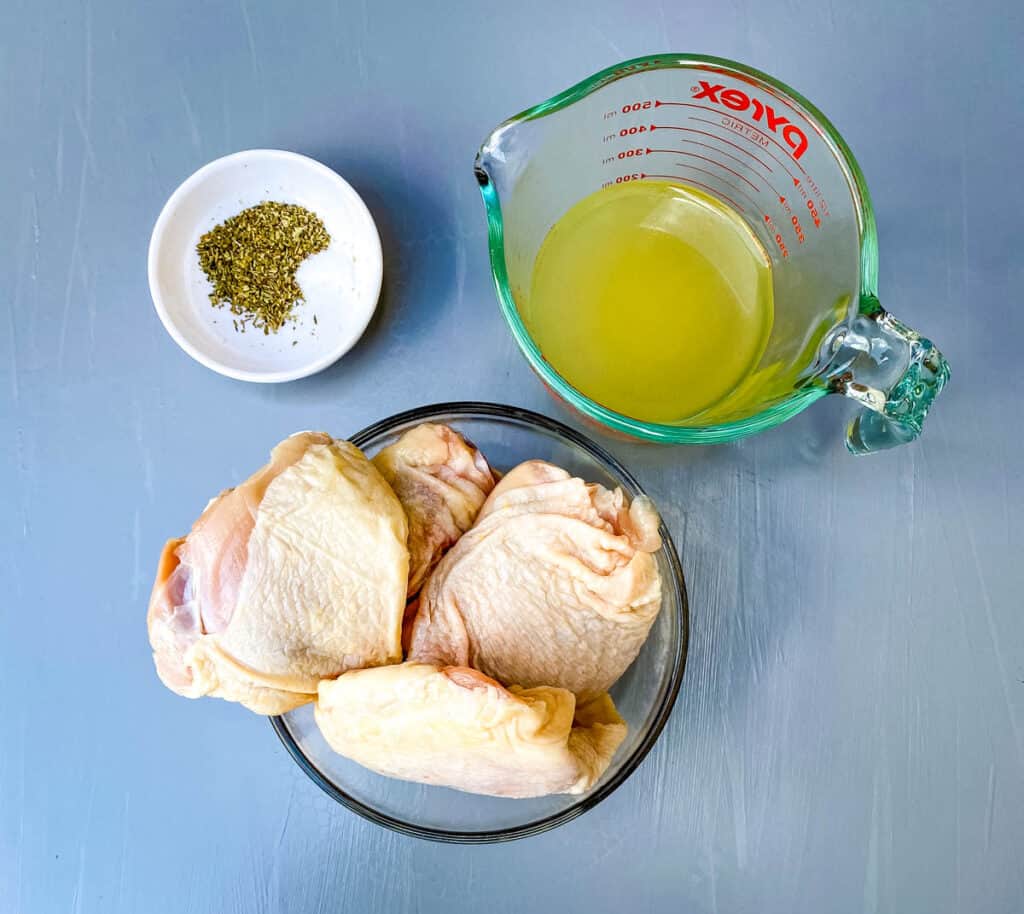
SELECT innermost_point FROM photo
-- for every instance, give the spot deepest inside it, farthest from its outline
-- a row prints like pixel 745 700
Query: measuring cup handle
pixel 893 372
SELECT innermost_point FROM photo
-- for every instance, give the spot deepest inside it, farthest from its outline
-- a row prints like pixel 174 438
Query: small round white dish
pixel 340 285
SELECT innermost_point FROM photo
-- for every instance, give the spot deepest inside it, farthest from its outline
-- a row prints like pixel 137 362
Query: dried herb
pixel 251 260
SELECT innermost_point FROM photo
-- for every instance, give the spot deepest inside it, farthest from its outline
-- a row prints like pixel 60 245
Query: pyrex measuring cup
pixel 772 157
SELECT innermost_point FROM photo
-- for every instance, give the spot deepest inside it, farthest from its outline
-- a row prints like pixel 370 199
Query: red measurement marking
pixel 814 213
pixel 774 231
pixel 720 165
pixel 730 185
pixel 714 136
pixel 749 140
pixel 798 228
pixel 713 149
pixel 774 191
pixel 731 117
pixel 822 202
pixel 714 190
pixel 736 120
pixel 806 197
pixel 721 153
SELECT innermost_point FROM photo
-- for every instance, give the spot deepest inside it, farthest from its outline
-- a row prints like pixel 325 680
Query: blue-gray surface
pixel 850 734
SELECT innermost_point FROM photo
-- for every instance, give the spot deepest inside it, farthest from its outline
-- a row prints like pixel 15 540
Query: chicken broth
pixel 653 299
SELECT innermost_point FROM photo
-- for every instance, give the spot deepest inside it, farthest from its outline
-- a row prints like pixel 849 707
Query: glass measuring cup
pixel 771 156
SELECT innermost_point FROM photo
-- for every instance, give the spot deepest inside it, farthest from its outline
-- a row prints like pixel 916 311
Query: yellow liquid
pixel 653 299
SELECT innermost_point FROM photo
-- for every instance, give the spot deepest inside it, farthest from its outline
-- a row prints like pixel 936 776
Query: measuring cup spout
pixel 498 156
pixel 890 370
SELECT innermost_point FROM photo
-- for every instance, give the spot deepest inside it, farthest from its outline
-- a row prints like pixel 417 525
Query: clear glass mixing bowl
pixel 644 695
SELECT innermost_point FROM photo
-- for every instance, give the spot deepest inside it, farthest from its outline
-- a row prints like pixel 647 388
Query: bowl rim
pixel 156 242
pixel 589 800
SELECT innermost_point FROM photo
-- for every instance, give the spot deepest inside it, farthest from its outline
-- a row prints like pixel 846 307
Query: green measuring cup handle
pixel 890 370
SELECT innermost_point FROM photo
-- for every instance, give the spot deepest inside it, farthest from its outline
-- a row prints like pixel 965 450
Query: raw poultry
pixel 455 727
pixel 537 594
pixel 294 576
pixel 441 480
pixel 555 585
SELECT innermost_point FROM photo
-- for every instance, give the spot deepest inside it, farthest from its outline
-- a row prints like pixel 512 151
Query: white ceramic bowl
pixel 341 285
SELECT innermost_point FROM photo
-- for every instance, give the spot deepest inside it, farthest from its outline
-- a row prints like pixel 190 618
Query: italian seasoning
pixel 251 260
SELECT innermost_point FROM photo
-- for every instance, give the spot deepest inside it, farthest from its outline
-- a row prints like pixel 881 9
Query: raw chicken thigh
pixel 296 575
pixel 441 481
pixel 457 728
pixel 555 585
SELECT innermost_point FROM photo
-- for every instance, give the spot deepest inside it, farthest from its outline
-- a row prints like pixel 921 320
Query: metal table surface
pixel 850 733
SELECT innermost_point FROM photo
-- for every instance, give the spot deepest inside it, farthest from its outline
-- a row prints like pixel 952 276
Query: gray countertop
pixel 850 732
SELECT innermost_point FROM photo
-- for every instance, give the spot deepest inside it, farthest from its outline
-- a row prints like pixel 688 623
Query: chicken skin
pixel 554 585
pixel 294 576
pixel 441 481
pixel 455 727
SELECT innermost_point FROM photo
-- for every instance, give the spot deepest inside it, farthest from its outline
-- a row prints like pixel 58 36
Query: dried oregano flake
pixel 251 260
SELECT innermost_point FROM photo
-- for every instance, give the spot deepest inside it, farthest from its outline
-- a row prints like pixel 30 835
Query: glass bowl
pixel 644 695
